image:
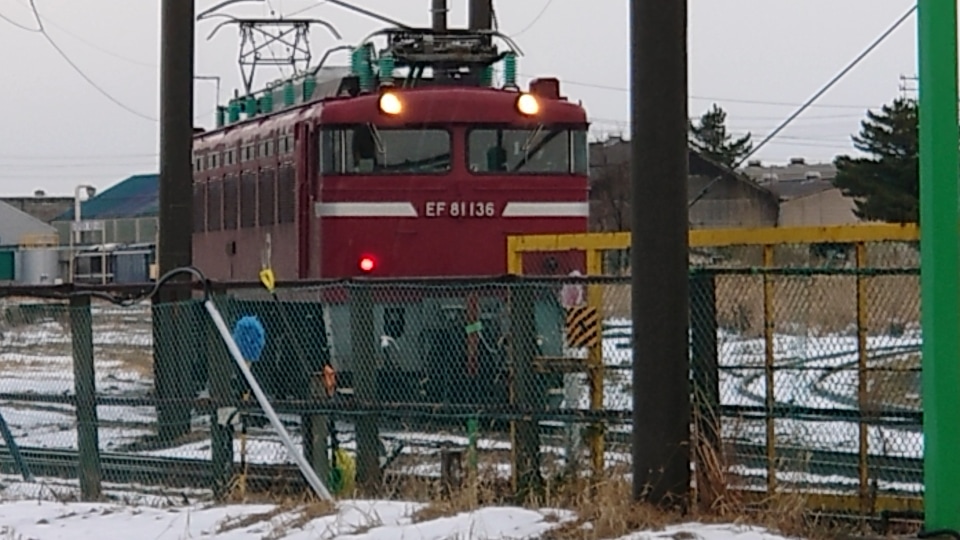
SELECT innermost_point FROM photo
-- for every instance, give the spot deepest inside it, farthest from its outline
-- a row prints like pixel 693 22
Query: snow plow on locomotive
pixel 368 172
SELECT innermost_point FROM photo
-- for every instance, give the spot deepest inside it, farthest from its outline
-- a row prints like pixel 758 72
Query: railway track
pixel 139 470
pixel 176 473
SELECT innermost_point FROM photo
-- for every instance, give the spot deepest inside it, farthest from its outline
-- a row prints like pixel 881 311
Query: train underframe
pixel 437 348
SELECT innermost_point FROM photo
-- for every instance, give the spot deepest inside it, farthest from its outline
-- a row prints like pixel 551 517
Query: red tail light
pixel 367 264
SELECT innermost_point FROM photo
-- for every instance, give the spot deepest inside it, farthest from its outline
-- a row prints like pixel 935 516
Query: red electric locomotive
pixel 389 176
pixel 383 171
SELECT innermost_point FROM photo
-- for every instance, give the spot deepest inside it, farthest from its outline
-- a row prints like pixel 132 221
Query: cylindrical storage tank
pixel 38 266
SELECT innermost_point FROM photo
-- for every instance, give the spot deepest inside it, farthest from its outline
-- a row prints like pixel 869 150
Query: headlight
pixel 527 104
pixel 390 104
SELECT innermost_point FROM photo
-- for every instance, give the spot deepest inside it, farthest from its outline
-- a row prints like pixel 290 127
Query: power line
pixel 79 71
pixel 100 48
pixel 839 76
pixel 535 19
pixel 18 25
pixel 718 99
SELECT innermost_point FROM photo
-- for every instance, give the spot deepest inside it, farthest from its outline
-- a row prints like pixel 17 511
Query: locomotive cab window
pixel 540 150
pixel 370 150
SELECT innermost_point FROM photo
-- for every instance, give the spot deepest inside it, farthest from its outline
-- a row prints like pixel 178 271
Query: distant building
pixel 727 199
pixel 118 243
pixel 807 195
pixel 129 212
pixel 27 248
pixel 44 207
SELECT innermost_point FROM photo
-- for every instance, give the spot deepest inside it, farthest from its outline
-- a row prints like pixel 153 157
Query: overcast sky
pixel 759 59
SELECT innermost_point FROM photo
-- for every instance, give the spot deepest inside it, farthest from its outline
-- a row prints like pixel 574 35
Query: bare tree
pixel 610 199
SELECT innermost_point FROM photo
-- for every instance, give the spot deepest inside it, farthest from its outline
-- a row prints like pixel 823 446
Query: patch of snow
pixel 357 520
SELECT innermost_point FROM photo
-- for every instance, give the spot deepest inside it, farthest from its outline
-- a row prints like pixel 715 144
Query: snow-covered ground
pixel 36 359
pixel 356 520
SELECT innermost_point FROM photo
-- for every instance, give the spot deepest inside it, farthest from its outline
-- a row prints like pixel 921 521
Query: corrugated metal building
pixel 20 231
pixel 129 211
pixel 127 222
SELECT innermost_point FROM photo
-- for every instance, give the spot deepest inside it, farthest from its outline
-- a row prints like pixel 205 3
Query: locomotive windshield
pixel 369 150
pixel 541 150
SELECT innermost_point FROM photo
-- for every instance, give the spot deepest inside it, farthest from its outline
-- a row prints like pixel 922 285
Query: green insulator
pixel 510 70
pixel 289 94
pixel 266 102
pixel 221 116
pixel 366 67
pixel 309 87
pixel 251 106
pixel 234 111
pixel 486 76
pixel 356 61
pixel 386 67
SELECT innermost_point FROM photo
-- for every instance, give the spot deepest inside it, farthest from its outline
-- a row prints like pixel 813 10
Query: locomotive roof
pixel 428 104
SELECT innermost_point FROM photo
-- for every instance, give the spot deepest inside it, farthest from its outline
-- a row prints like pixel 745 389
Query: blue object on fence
pixel 251 337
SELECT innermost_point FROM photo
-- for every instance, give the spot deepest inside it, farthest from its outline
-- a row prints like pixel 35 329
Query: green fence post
pixel 940 260
pixel 220 376
pixel 170 361
pixel 528 480
pixel 363 342
pixel 705 365
pixel 84 381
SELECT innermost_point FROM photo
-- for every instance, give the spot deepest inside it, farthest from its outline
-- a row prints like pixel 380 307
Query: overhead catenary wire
pixel 91 82
pixel 18 25
pixel 536 19
pixel 823 90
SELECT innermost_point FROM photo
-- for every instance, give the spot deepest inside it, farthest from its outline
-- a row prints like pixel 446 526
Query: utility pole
pixel 659 251
pixel 174 248
pixel 940 261
pixel 439 14
pixel 481 15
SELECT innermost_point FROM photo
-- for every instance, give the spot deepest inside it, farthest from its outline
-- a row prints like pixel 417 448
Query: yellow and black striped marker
pixel 583 327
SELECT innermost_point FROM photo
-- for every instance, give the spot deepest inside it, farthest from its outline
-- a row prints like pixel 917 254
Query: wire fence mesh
pixel 805 364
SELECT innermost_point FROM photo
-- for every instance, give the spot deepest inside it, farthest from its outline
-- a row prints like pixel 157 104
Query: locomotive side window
pixel 248 200
pixel 230 202
pixel 286 195
pixel 268 190
pixel 214 205
pixel 363 150
pixel 580 151
pixel 542 150
pixel 199 207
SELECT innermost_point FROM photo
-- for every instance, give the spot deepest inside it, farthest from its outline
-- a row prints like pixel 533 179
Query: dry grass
pixel 895 382
pixel 291 513
pixel 605 509
pixel 132 358
pixel 825 303
pixel 294 516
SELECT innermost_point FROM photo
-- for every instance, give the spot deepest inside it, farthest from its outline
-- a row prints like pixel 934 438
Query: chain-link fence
pixel 805 358
pixel 432 380
pixel 805 367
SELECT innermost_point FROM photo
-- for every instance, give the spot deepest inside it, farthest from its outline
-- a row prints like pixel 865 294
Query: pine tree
pixel 886 186
pixel 711 139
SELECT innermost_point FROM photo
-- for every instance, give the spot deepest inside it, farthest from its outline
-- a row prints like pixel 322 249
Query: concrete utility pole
pixel 438 9
pixel 659 251
pixel 480 17
pixel 481 14
pixel 176 134
pixel 174 248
